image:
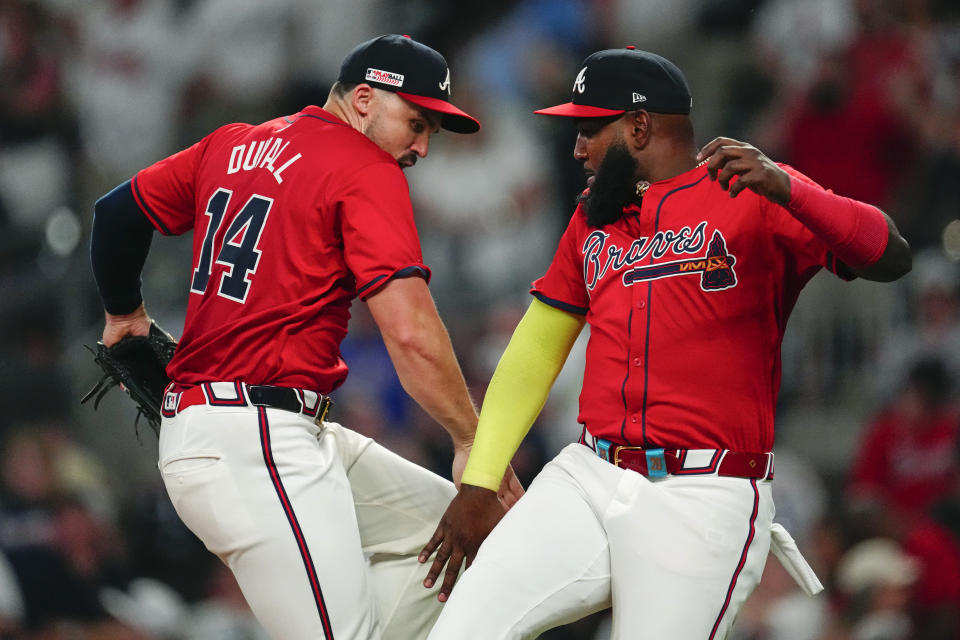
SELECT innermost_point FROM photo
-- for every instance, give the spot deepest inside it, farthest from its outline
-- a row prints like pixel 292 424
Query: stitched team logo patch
pixel 600 257
pixel 580 84
pixel 385 77
pixel 715 269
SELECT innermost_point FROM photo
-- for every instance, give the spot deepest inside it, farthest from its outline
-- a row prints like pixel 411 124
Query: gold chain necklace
pixel 643 185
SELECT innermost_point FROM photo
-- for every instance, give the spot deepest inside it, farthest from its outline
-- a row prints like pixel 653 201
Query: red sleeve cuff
pixel 418 270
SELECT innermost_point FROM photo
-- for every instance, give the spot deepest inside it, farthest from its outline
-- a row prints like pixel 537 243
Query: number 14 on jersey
pixel 236 249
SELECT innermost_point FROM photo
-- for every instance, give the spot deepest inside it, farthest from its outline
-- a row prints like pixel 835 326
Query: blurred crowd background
pixel 861 95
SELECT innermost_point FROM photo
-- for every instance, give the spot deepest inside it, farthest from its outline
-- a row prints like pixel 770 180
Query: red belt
pixel 658 463
pixel 238 394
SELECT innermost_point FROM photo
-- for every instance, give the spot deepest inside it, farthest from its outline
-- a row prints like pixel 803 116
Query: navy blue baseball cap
pixel 413 71
pixel 614 81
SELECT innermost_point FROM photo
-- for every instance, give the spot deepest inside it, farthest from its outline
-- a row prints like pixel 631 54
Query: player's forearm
pixel 518 390
pixel 860 235
pixel 119 243
pixel 423 356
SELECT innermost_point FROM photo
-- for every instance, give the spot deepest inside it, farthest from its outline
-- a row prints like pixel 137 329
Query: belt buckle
pixel 617 450
pixel 324 409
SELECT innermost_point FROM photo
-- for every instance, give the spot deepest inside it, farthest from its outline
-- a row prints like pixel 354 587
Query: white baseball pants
pixel 675 557
pixel 320 526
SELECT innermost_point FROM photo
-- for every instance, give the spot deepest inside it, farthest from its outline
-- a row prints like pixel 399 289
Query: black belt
pixel 259 395
pixel 263 395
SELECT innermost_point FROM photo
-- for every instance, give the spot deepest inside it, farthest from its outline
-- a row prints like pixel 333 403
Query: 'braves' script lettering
pixel 601 256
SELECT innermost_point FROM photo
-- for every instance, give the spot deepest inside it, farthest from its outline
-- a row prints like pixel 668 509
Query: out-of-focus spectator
pixel 525 59
pixel 876 578
pixel 320 38
pixel 653 25
pixel 223 613
pixel 907 454
pixel 823 26
pixel 852 131
pixel 61 553
pixel 933 297
pixel 127 67
pixel 28 489
pixel 159 611
pixel 160 545
pixel 239 59
pixel 485 212
pixel 935 595
pixel 34 122
pixel 517 59
pixel 31 346
pixel 149 606
pixel 933 195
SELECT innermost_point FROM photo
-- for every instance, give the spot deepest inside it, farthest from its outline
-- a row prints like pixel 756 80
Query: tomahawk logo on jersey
pixel 601 257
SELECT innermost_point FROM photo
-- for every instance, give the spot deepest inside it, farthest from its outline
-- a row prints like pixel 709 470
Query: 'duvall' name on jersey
pixel 261 154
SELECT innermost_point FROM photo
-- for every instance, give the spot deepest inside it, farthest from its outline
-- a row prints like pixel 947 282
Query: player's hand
pixel 471 516
pixel 135 323
pixel 460 454
pixel 727 158
pixel 510 488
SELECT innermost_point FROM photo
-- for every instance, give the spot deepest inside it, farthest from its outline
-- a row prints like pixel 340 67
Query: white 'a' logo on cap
pixel 445 85
pixel 580 84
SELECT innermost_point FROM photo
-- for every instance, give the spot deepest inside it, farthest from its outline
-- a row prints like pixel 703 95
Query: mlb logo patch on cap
pixel 384 77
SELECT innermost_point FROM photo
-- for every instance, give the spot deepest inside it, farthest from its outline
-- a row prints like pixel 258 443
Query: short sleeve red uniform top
pixel 292 219
pixel 687 297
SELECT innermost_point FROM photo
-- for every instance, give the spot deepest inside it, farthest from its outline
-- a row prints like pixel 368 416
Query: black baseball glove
pixel 138 364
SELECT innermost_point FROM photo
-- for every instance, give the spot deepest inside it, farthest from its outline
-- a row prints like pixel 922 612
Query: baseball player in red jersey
pixel 292 219
pixel 686 267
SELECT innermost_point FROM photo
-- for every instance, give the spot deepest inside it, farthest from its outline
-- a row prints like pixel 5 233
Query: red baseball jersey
pixel 687 297
pixel 292 219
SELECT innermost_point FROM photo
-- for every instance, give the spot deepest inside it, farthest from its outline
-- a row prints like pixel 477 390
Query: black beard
pixel 614 187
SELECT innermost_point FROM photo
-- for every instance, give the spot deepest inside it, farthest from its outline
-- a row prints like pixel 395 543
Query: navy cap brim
pixel 571 110
pixel 452 118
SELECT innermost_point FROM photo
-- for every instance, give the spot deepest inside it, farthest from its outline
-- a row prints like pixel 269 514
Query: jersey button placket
pixel 639 293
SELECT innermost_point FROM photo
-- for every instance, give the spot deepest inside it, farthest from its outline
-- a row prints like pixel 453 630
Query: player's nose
pixel 421 145
pixel 580 149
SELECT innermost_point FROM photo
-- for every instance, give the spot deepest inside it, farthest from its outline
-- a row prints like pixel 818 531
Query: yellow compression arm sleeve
pixel 519 389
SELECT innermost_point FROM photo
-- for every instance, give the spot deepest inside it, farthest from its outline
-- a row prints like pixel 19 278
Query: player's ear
pixel 640 127
pixel 361 98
